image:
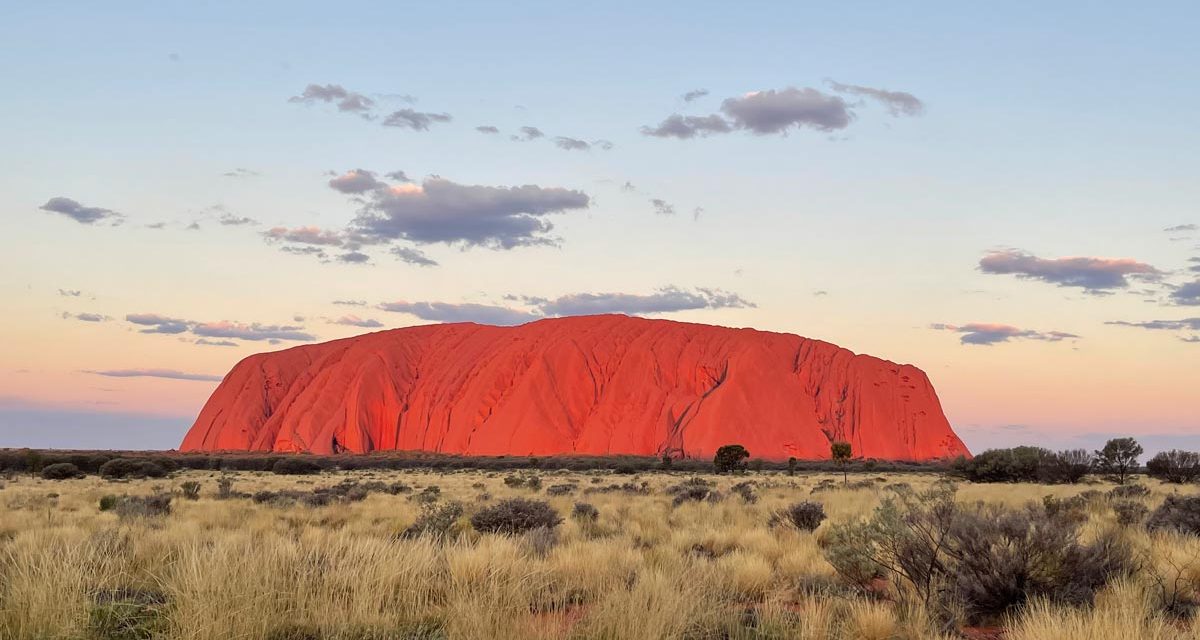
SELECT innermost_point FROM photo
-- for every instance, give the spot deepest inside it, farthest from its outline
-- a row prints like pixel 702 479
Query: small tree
pixel 791 466
pixel 1173 466
pixel 841 451
pixel 1119 458
pixel 730 458
pixel 666 461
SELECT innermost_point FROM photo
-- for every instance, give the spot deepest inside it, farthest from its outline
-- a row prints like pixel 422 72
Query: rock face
pixel 591 385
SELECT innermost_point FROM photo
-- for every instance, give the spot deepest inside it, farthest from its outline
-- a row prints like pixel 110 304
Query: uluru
pixel 585 385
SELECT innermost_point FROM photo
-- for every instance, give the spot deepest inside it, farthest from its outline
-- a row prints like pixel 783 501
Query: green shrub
pixel 805 516
pixel 61 471
pixel 585 512
pixel 745 490
pixel 294 466
pixel 730 458
pixel 190 489
pixel 1129 491
pixel 151 506
pixel 119 468
pixel 435 520
pixel 514 516
pixel 1177 513
pixel 107 503
pixel 1129 512
pixel 127 614
pixel 985 558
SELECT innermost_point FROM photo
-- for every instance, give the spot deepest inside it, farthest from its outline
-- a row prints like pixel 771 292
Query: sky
pixel 1004 196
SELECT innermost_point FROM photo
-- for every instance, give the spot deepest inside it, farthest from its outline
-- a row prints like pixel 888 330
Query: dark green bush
pixel 151 506
pixel 745 490
pixel 1177 513
pixel 119 468
pixel 585 512
pixel 190 489
pixel 61 471
pixel 514 516
pixel 436 519
pixel 127 614
pixel 1129 491
pixel 1174 466
pixel 805 516
pixel 985 558
pixel 107 503
pixel 295 467
pixel 559 489
pixel 730 458
pixel 1129 512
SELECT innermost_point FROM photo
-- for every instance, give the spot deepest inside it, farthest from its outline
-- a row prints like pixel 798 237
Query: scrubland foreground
pixel 470 554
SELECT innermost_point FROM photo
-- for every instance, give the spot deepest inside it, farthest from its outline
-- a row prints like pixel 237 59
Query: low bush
pixel 1129 512
pixel 435 520
pixel 295 467
pixel 151 506
pixel 190 489
pixel 61 471
pixel 985 559
pixel 127 614
pixel 805 516
pixel 1129 491
pixel 559 489
pixel 745 490
pixel 514 516
pixel 1026 464
pixel 107 503
pixel 585 512
pixel 119 468
pixel 1177 513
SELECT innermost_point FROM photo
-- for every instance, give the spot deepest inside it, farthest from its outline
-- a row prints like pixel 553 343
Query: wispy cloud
pixel 983 333
pixel 171 374
pixel 355 321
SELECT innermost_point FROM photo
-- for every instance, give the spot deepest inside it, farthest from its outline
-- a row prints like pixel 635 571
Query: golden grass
pixel 646 570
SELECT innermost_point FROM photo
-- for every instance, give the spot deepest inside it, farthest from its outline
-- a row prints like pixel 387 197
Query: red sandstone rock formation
pixel 584 385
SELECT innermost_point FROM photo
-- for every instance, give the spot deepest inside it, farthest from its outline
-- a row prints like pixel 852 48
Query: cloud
pixel 1187 294
pixel 898 103
pixel 241 172
pixel 1184 324
pixel 305 251
pixel 684 127
pixel 1091 274
pixel 356 181
pixel 351 303
pixel 253 332
pixel 1195 264
pixel 305 235
pixel 354 257
pixel 156 373
pixel 662 207
pixel 69 293
pixel 347 101
pixel 980 333
pixel 665 300
pixel 85 317
pixel 1182 227
pixel 439 210
pixel 355 321
pixel 414 120
pixel 229 219
pixel 571 144
pixel 488 129
pixel 78 212
pixel 694 95
pixel 529 133
pixel 157 225
pixel 466 312
pixel 398 176
pixel 413 256
pixel 216 343
pixel 158 323
pixel 775 112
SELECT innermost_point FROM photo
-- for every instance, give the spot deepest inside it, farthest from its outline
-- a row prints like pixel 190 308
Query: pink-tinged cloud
pixel 305 235
pixel 1088 273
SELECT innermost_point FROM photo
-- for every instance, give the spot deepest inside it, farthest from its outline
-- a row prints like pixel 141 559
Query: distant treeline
pixel 90 462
